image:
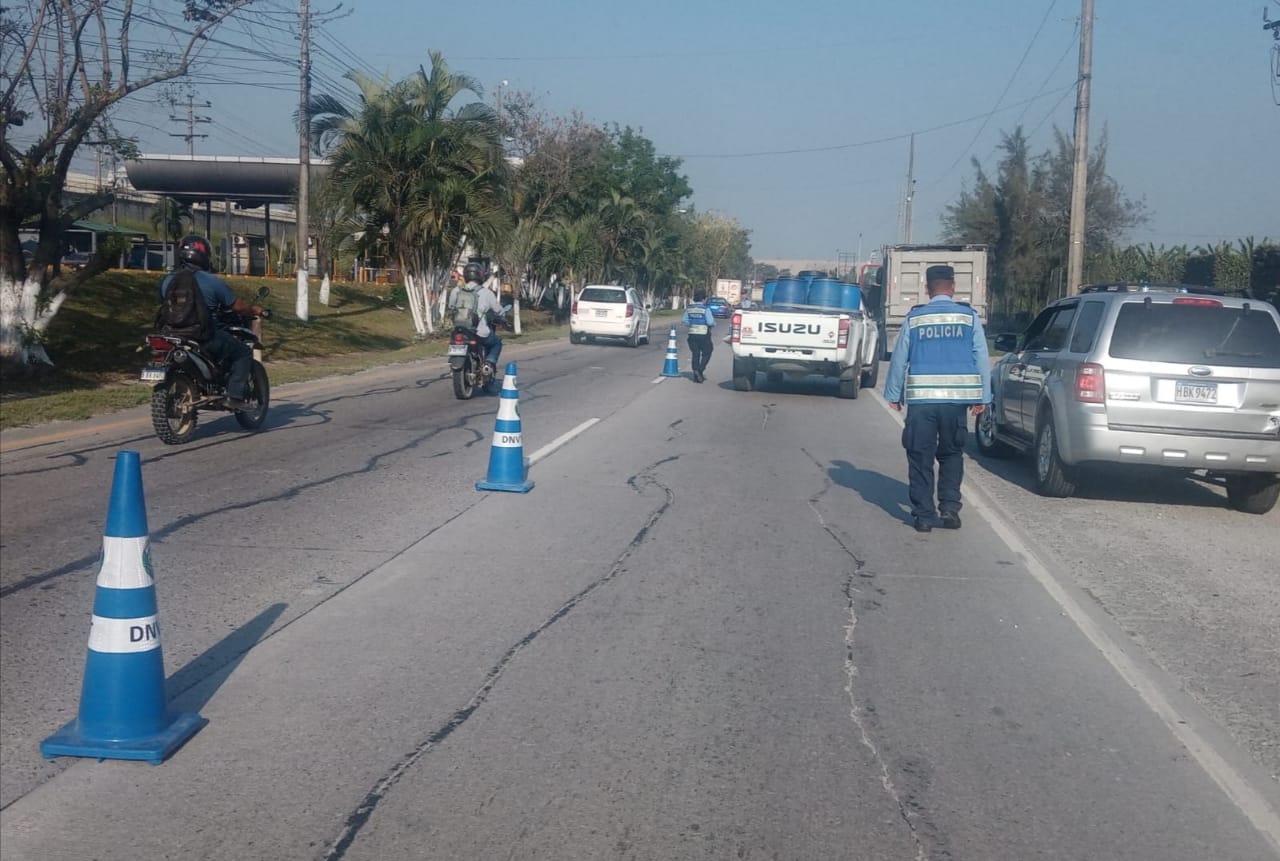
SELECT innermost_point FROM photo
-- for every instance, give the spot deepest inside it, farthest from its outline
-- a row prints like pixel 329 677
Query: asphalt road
pixel 708 632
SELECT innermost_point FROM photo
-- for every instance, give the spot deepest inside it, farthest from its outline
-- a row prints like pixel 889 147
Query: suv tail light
pixel 843 340
pixel 631 310
pixel 735 329
pixel 574 309
pixel 1091 384
pixel 1197 300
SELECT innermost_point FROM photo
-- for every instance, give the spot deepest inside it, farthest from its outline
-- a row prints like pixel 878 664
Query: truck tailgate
pixel 798 332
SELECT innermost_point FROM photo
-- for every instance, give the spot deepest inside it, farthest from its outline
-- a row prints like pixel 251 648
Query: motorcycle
pixel 188 380
pixel 466 361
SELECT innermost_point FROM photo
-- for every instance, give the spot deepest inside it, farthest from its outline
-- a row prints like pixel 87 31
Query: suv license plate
pixel 1195 393
pixel 457 349
pixel 602 312
pixel 153 375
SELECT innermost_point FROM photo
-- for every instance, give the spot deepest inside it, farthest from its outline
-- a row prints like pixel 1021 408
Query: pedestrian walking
pixel 941 371
pixel 699 321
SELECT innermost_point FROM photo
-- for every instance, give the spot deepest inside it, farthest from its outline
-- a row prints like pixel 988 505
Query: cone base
pixel 155 749
pixel 670 372
pixel 507 486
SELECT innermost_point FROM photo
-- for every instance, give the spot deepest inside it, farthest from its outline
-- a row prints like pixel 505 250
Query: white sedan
pixel 602 311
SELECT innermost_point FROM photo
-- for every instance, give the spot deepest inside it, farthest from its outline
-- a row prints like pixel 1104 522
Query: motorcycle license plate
pixel 457 349
pixel 153 375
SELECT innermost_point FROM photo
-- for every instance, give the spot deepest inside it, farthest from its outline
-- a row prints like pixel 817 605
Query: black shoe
pixel 697 377
pixel 950 520
pixel 922 525
pixel 238 406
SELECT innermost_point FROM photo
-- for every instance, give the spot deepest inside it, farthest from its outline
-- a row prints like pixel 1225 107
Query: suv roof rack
pixel 1126 287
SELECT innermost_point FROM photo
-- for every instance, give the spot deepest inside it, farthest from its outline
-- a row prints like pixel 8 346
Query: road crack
pixel 359 817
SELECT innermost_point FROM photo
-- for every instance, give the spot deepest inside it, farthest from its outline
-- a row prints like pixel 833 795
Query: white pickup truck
pixel 802 340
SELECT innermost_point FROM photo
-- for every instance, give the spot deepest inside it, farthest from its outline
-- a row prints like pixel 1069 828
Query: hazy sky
pixel 1182 86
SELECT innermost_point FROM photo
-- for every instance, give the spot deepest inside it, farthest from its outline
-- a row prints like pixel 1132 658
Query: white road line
pixel 560 440
pixel 1237 787
pixel 657 380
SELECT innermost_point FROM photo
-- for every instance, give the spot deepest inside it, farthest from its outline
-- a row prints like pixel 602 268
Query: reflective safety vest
pixel 941 368
pixel 696 319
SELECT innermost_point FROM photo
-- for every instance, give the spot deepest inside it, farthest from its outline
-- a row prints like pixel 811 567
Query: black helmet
pixel 473 272
pixel 196 251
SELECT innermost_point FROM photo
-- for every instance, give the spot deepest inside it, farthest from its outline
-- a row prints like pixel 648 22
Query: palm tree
pixel 168 216
pixel 432 176
pixel 573 250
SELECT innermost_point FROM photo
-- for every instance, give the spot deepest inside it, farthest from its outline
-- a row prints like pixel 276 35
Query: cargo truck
pixel 901 283
pixel 729 289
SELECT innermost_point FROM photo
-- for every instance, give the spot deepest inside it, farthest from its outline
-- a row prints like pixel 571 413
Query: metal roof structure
pixel 249 181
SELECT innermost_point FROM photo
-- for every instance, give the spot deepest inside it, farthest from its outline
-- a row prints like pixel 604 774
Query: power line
pixel 874 141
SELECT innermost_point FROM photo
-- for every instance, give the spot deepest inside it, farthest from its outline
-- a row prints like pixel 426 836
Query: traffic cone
pixel 671 367
pixel 122 703
pixel 506 457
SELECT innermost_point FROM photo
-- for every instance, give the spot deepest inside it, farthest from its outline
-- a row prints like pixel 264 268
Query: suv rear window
pixel 603 294
pixel 1196 335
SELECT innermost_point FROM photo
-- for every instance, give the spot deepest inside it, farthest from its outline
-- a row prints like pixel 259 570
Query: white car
pixel 602 311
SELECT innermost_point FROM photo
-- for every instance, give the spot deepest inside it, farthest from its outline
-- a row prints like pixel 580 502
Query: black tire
pixel 463 386
pixel 173 417
pixel 1052 476
pixel 259 394
pixel 871 375
pixel 984 433
pixel 633 340
pixel 849 389
pixel 744 376
pixel 1253 493
pixel 575 338
pixel 646 340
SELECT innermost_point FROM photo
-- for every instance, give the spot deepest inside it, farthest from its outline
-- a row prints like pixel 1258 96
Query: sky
pixel 1182 88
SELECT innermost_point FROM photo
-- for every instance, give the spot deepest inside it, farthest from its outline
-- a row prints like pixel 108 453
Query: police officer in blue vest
pixel 941 371
pixel 700 322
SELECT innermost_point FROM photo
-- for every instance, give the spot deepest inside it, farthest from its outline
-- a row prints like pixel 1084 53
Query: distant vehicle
pixel 76 259
pixel 602 311
pixel 1167 375
pixel 729 289
pixel 902 284
pixel 804 340
pixel 719 307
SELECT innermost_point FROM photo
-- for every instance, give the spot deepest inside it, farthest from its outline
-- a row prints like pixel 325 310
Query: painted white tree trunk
pixel 419 325
pixel 23 321
pixel 515 311
pixel 675 301
pixel 303 309
pixel 428 306
pixel 324 289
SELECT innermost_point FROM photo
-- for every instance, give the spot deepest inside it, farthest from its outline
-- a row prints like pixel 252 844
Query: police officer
pixel 700 322
pixel 941 371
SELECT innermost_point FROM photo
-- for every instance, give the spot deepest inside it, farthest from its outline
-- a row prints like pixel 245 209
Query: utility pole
pixel 911 185
pixel 1080 174
pixel 191 120
pixel 304 161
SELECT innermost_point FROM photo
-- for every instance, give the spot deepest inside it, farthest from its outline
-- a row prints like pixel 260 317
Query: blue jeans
pixel 233 355
pixel 492 348
pixel 935 432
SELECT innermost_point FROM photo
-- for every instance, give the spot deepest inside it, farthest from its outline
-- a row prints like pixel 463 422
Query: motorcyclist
pixel 487 310
pixel 194 252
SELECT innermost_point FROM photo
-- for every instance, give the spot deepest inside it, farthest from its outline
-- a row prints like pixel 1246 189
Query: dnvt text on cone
pixel 123 714
pixel 506 457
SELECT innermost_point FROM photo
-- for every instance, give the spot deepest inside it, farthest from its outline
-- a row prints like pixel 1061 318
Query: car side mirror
pixel 1006 342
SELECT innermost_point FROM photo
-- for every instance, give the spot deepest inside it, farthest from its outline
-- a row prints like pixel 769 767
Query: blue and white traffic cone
pixel 506 457
pixel 122 703
pixel 671 367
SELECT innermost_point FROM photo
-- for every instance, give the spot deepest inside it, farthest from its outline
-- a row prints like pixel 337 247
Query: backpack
pixel 465 305
pixel 183 312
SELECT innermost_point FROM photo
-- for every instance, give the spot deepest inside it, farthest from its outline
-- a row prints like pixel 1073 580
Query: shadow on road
pixel 205 673
pixel 887 494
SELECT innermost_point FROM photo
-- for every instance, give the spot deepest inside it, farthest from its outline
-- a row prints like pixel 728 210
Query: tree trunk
pixel 324 289
pixel 411 295
pixel 23 321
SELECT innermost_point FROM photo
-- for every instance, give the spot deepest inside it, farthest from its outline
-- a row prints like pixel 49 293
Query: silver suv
pixel 1170 375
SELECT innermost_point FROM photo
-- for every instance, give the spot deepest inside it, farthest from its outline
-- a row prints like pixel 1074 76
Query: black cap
pixel 939 273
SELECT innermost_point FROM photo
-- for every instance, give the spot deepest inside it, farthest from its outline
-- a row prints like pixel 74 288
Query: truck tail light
pixel 631 310
pixel 1091 384
pixel 843 340
pixel 735 329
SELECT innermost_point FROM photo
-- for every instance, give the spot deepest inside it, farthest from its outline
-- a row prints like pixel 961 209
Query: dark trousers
pixel 700 350
pixel 935 432
pixel 236 357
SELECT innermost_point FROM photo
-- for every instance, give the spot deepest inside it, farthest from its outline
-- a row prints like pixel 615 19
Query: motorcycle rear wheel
pixel 173 412
pixel 260 394
pixel 463 382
